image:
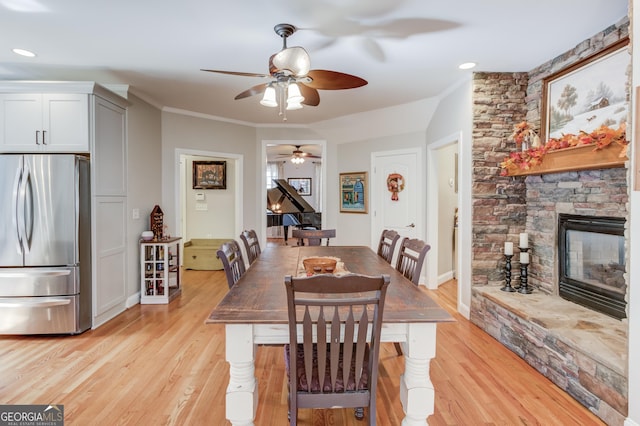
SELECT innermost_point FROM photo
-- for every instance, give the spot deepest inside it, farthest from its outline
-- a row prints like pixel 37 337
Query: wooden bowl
pixel 319 265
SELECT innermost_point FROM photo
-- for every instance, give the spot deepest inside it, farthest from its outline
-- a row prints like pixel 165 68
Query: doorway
pixel 203 202
pixel 284 150
pixel 442 205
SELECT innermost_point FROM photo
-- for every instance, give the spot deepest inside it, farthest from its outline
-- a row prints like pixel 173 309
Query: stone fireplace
pixel 581 350
pixel 593 199
pixel 591 260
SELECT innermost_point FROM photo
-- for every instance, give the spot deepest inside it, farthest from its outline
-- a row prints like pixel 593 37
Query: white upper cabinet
pixel 47 122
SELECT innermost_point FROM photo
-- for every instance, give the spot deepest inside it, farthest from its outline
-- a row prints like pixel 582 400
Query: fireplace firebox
pixel 592 262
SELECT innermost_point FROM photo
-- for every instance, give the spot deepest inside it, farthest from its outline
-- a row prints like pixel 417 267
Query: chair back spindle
pixel 251 245
pixel 232 261
pixel 387 244
pixel 411 258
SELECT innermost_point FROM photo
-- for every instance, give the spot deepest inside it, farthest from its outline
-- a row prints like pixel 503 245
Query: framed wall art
pixel 302 185
pixel 589 94
pixel 353 192
pixel 209 175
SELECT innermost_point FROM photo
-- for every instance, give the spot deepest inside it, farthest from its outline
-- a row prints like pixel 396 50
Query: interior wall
pixel 144 189
pixel 198 134
pixel 453 116
pixel 355 229
pixel 209 213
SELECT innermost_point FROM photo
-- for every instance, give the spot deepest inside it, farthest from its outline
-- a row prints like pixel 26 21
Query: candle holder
pixel 524 287
pixel 507 274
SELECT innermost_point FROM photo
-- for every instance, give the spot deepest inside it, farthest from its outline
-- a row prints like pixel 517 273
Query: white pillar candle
pixel 508 248
pixel 524 240
pixel 524 257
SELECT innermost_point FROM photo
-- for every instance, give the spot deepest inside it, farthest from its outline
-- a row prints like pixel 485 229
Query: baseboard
pixel 447 276
pixel 132 300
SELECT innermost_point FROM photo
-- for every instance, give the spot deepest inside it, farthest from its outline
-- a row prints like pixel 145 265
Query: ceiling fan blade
pixel 311 95
pixel 244 74
pixel 333 80
pixel 255 90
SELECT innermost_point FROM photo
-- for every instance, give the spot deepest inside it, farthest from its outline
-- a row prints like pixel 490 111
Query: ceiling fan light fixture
pixel 293 94
pixel 269 98
pixel 291 106
pixel 297 160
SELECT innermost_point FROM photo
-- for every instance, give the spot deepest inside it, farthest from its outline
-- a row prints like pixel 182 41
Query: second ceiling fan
pixel 292 80
pixel 298 155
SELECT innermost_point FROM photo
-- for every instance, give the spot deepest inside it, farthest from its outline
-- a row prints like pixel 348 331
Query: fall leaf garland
pixel 601 137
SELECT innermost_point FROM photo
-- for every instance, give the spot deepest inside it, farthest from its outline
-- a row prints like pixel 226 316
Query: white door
pixel 396 193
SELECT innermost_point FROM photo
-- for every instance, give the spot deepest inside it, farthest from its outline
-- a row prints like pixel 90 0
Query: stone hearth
pixel 581 351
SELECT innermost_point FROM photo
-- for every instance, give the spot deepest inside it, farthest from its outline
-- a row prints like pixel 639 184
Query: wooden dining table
pixel 254 312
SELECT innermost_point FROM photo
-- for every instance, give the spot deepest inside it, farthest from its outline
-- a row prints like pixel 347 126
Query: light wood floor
pixel 161 365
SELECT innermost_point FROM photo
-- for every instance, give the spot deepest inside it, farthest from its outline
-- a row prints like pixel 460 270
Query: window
pixel 273 172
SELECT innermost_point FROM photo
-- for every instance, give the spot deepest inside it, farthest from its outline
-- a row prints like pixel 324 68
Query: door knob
pixel 413 225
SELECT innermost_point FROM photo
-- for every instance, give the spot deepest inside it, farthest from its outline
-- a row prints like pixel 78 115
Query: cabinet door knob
pixel 44 142
pixel 37 134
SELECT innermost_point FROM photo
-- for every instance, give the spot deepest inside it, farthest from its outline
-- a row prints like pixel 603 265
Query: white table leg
pixel 416 390
pixel 242 391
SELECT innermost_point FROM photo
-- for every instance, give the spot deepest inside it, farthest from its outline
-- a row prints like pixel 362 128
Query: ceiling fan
pixel 298 156
pixel 292 80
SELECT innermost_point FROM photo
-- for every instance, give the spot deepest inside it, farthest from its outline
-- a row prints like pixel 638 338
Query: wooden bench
pixel 200 254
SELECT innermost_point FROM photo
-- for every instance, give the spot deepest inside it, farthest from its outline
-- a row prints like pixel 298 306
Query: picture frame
pixel 209 175
pixel 354 188
pixel 587 94
pixel 301 185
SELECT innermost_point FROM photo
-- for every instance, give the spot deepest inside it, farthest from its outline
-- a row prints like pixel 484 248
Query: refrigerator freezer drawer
pixel 18 282
pixel 39 315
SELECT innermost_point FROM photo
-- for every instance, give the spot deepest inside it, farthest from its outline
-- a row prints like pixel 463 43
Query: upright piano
pixel 288 208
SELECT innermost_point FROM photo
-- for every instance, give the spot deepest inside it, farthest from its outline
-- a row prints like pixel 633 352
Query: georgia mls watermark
pixel 32 415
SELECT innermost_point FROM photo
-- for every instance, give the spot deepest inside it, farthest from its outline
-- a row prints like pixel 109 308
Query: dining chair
pixel 410 260
pixel 231 257
pixel 251 245
pixel 334 321
pixel 313 236
pixel 387 244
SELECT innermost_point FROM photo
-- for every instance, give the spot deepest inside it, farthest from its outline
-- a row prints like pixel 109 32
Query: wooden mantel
pixel 575 159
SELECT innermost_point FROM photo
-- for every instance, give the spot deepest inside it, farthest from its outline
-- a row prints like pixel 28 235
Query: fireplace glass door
pixel 592 263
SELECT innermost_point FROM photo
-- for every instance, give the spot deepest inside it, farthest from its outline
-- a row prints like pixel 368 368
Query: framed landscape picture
pixel 589 94
pixel 301 185
pixel 353 192
pixel 209 175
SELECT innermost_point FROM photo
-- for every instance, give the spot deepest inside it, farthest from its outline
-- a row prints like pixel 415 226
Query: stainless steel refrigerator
pixel 45 244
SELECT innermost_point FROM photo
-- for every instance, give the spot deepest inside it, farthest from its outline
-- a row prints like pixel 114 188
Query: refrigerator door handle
pixel 27 214
pixel 19 208
pixel 47 302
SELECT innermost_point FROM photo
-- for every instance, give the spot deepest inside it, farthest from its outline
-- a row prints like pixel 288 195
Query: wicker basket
pixel 319 265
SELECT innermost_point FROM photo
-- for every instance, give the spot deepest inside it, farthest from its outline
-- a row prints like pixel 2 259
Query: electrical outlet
pixel 135 213
pixel 202 207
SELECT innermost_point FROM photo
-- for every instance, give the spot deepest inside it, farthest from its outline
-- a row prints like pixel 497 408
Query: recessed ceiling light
pixel 24 52
pixel 467 65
